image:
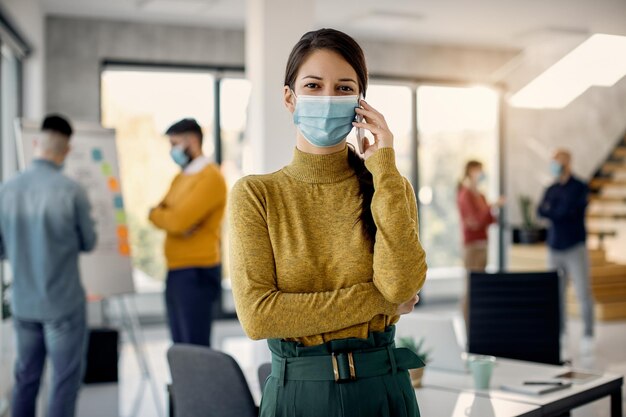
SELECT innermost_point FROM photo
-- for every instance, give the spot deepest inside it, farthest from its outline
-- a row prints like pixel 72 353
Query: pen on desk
pixel 556 383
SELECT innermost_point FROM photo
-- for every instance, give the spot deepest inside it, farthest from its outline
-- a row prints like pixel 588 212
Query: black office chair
pixel 263 373
pixel 208 383
pixel 515 315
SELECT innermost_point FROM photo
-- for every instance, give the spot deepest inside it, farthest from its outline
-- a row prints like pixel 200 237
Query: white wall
pixel 438 62
pixel 77 47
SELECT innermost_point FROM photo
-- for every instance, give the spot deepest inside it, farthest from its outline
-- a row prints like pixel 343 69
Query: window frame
pixel 11 38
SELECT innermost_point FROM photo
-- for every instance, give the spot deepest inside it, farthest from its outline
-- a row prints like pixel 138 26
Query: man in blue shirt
pixel 564 204
pixel 45 222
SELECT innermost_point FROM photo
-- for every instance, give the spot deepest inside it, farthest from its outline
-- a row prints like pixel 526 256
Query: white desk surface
pixel 508 371
pixel 445 403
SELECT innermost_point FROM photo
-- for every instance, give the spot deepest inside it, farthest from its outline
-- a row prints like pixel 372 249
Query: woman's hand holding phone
pixel 375 123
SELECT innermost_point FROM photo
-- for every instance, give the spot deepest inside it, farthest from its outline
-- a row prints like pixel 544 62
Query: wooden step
pixel 603 293
pixel 606 182
pixel 597 257
pixel 608 274
pixel 595 198
pixel 601 233
pixel 603 311
pixel 620 152
pixel 611 167
pixel 611 216
pixel 607 209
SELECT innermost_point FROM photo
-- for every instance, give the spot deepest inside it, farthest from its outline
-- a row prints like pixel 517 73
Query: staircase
pixel 606 227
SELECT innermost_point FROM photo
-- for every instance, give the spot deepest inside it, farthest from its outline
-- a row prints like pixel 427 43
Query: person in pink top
pixel 476 217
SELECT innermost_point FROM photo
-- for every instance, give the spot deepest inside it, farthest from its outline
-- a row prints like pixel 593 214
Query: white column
pixel 272 29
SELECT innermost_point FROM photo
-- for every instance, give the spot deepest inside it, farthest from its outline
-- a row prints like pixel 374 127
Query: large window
pixel 455 124
pixel 140 103
pixel 395 103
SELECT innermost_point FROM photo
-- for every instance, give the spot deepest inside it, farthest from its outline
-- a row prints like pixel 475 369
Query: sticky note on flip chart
pixel 122 232
pixel 124 248
pixel 118 201
pixel 120 217
pixel 96 154
pixel 114 185
pixel 106 169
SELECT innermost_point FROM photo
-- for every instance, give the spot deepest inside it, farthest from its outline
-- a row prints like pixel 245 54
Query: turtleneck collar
pixel 320 169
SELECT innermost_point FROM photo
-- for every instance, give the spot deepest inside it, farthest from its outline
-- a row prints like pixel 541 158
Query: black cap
pixel 185 126
pixel 57 123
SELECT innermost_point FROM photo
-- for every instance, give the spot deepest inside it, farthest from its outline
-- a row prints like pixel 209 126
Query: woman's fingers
pixel 372 117
pixel 377 115
pixel 377 125
pixel 376 130
pixel 367 106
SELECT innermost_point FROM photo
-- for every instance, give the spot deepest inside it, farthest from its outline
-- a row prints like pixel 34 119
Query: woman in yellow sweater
pixel 325 252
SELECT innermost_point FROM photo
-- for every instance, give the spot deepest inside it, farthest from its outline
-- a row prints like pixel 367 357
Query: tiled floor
pixel 610 357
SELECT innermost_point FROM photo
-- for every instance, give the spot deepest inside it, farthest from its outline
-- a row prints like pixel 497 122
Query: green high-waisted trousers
pixel 341 378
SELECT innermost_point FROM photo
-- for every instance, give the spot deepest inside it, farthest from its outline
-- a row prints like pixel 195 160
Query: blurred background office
pixel 504 83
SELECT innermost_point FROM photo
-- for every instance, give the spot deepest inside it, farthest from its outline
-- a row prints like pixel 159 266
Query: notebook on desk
pixel 535 389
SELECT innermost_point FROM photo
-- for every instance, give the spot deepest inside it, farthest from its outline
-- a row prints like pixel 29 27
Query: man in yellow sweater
pixel 191 214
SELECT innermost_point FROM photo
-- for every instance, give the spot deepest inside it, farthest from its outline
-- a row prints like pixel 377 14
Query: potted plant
pixel 418 349
pixel 530 232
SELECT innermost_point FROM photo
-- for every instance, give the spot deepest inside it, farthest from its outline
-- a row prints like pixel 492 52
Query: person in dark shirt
pixel 564 204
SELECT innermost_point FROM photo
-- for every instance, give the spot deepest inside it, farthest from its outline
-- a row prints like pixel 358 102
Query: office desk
pixel 510 371
pixel 446 403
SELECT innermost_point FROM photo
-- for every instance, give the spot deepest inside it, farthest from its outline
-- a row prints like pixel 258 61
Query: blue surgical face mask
pixel 179 156
pixel 482 177
pixel 556 169
pixel 325 121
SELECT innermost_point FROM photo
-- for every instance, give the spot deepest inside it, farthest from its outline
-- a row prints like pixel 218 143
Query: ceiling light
pixel 598 61
pixel 389 21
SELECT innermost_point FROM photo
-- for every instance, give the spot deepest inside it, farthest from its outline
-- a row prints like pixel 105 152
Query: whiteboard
pixel 93 162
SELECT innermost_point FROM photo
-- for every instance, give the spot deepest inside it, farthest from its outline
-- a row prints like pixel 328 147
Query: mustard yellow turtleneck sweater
pixel 301 267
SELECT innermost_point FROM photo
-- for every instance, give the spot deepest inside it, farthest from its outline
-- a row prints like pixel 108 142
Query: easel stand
pixel 129 323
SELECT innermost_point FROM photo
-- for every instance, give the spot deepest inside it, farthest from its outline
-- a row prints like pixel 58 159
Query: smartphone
pixel 577 377
pixel 360 132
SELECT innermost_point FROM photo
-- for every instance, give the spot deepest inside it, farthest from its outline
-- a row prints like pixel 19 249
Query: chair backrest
pixel 515 315
pixel 207 383
pixel 264 371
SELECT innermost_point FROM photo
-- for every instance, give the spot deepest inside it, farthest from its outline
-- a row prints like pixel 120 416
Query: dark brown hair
pixel 342 44
pixel 470 165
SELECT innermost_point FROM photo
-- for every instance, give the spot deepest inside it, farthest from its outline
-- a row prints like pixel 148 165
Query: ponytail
pixel 366 191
